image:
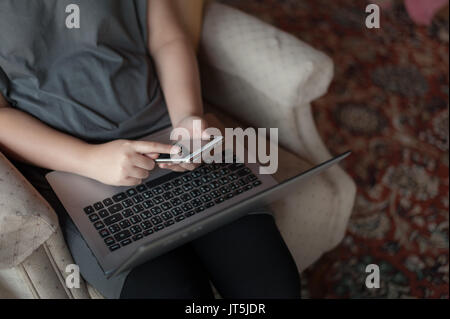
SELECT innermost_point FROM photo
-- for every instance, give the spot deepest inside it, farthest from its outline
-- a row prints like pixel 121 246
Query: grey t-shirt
pixel 96 82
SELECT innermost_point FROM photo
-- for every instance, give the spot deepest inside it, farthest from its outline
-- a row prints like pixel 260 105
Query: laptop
pixel 127 226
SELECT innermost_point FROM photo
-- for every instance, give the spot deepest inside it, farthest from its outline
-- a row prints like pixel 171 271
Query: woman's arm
pixel 120 162
pixel 175 60
pixel 25 138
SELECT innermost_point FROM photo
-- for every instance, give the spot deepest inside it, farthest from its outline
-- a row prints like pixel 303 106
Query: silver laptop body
pixel 77 192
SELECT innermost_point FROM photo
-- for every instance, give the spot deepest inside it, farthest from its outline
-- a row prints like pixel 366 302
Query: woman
pixel 76 99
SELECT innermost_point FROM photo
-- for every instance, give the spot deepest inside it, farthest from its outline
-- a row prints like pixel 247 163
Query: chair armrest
pixel 273 62
pixel 26 219
pixel 258 73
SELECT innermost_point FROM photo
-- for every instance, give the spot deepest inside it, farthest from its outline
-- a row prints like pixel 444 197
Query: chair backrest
pixel 191 14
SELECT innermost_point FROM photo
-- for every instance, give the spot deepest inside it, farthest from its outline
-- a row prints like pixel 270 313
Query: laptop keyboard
pixel 150 207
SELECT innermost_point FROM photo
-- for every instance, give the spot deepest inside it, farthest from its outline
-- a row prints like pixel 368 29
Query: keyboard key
pixel 178 191
pixel 179 218
pixel 127 213
pixel 186 197
pixel 169 223
pixel 147 195
pixel 108 202
pixel 215 194
pixel 141 188
pixel 199 209
pixel 146 225
pixel 176 211
pixel 124 224
pixel 205 189
pixel 156 220
pixel 126 242
pixel 113 219
pixel 219 200
pixel 148 232
pixel 135 229
pixel 115 208
pixel 99 225
pixel 157 190
pixel 168 195
pixel 167 186
pixel 119 197
pixel 209 204
pixel 109 241
pixel 114 247
pixel 138 208
pixel 131 192
pixel 146 215
pixel 186 178
pixel 197 183
pixel 196 202
pixel 98 206
pixel 195 193
pixel 94 217
pixel 135 219
pixel 176 201
pixel 206 198
pixel 103 233
pixel 177 182
pixel 166 216
pixel 114 228
pixel 147 204
pixel 257 183
pixel 166 206
pixel 137 237
pixel 89 210
pixel 186 207
pixel 122 235
pixel 247 188
pixel 127 203
pixel 158 228
pixel 158 200
pixel 138 199
pixel 156 210
pixel 103 213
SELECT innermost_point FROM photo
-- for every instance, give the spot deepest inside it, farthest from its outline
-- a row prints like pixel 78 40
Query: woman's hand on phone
pixel 188 123
pixel 123 162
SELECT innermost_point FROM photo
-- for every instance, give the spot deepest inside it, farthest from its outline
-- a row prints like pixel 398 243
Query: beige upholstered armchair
pixel 251 72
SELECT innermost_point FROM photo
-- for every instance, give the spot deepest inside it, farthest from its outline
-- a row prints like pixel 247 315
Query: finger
pixel 189 166
pixel 143 161
pixel 145 147
pixel 152 155
pixel 138 172
pixel 173 167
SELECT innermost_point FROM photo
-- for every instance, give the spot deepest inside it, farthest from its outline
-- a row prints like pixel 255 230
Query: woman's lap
pixel 245 259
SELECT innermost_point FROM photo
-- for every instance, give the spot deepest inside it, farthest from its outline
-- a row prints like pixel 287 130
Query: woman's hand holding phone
pixel 187 123
pixel 123 162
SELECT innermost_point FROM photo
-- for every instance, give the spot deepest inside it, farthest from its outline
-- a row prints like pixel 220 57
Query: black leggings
pixel 244 259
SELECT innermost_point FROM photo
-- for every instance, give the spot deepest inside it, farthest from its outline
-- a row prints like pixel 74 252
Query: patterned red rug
pixel 389 104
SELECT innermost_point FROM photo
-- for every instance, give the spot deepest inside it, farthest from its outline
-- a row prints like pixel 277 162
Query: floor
pixel 389 104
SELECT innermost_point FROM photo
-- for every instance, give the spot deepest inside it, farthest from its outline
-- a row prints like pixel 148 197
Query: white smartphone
pixel 186 155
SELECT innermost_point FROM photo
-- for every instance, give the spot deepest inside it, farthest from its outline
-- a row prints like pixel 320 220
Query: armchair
pixel 251 72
